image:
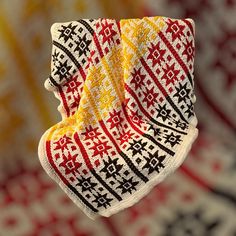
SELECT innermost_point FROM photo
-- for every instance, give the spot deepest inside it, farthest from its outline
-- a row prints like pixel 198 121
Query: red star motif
pixel 91 133
pixel 156 54
pixel 107 31
pixel 137 78
pixel 62 143
pixel 170 74
pixel 175 29
pixel 125 137
pixel 100 148
pixel 150 97
pixel 115 119
pixel 70 164
pixel 189 50
pixel 73 85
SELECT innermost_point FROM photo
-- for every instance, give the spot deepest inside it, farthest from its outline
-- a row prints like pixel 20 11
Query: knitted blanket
pixel 127 104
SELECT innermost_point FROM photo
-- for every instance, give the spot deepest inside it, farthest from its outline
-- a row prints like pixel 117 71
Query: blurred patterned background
pixel 199 199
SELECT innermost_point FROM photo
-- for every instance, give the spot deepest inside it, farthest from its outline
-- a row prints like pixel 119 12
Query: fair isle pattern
pixel 127 104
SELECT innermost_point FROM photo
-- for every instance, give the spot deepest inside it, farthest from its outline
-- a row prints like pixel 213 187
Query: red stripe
pixel 64 102
pixel 147 68
pixel 202 183
pixel 190 26
pixel 109 135
pixel 98 45
pixel 175 54
pixel 83 151
pixel 215 108
pixel 131 92
pixel 130 122
pixel 49 156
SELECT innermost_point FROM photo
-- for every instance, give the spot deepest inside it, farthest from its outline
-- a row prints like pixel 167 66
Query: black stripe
pixel 87 26
pixel 133 168
pixel 175 108
pixel 53 81
pixel 190 80
pixel 166 126
pixel 73 189
pixel 98 177
pixel 67 52
pixel 167 150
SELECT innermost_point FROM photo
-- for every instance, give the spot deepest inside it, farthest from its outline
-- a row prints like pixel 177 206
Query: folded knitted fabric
pixel 127 104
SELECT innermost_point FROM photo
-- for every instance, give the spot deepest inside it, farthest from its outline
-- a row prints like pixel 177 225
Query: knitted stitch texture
pixel 127 104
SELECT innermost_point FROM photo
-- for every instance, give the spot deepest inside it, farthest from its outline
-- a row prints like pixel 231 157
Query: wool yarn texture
pixel 126 91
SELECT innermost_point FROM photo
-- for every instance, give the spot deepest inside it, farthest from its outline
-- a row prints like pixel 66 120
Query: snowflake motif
pixel 150 97
pixel 182 93
pixel 124 137
pixel 62 143
pixel 170 74
pixel 70 164
pixel 63 70
pixel 100 148
pixel 172 139
pixel 180 124
pixel 189 50
pixel 76 101
pixel 73 85
pixel 137 78
pixel 115 119
pixel 137 147
pixel 191 223
pixel 163 112
pixel 67 32
pixel 82 45
pixel 111 168
pixel 107 32
pixel 86 184
pixel 156 131
pixel 175 29
pixel 91 133
pixel 156 54
pixel 102 200
pixel 127 185
pixel 190 110
pixel 154 162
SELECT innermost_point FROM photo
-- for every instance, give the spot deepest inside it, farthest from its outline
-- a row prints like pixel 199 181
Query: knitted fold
pixel 126 91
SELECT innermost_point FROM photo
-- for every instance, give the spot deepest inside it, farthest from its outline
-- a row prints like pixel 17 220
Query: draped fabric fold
pixel 126 91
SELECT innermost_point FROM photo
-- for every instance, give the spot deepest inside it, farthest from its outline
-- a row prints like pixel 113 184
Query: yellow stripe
pixel 27 74
pixel 153 25
pixel 111 77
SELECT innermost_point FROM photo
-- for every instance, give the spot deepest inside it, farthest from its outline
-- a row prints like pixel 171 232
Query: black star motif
pixel 82 45
pixel 137 147
pixel 67 32
pixel 189 110
pixel 127 185
pixel 182 93
pixel 154 162
pixel 180 124
pixel 102 200
pixel 63 70
pixel 86 184
pixel 172 139
pixel 163 112
pixel 111 168
pixel 157 131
